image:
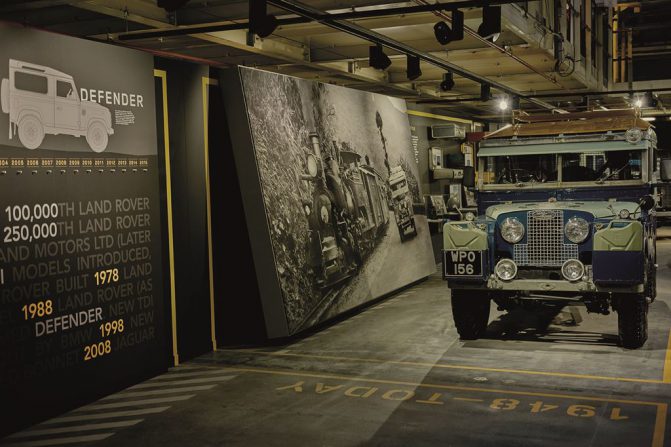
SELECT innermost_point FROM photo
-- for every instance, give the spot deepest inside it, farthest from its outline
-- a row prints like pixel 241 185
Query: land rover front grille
pixel 545 245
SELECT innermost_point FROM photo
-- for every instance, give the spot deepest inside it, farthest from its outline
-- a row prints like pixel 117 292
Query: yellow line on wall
pixel 206 147
pixel 667 361
pixel 438 117
pixel 168 185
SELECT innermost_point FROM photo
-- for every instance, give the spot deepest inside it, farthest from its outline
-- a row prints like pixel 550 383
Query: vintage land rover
pixel 565 215
pixel 41 100
pixel 401 201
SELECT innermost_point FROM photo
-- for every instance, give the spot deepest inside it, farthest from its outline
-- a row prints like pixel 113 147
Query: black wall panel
pixel 238 303
pixel 189 212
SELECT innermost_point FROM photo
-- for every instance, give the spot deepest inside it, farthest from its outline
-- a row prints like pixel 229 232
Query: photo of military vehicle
pixel 42 101
pixel 401 203
pixel 565 216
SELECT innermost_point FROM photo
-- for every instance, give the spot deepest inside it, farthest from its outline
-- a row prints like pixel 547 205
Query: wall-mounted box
pixel 448 131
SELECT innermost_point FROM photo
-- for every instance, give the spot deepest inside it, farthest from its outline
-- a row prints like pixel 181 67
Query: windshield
pixel 598 167
pixel 521 169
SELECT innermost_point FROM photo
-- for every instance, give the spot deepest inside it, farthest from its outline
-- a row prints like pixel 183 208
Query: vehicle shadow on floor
pixel 559 326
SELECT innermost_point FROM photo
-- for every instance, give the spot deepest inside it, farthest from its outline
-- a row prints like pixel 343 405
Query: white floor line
pixel 112 414
pixel 87 427
pixel 180 382
pixel 175 376
pixel 135 403
pixel 61 441
pixel 187 389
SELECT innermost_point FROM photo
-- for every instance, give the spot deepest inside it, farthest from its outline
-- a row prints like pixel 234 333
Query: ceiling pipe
pixel 552 95
pixel 352 15
pixel 379 39
pixel 491 44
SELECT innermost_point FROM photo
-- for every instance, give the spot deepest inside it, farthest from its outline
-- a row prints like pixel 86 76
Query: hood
pixel 601 209
pixel 94 107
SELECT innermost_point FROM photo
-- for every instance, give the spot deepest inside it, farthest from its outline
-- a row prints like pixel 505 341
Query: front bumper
pixel 547 286
pixel 614 272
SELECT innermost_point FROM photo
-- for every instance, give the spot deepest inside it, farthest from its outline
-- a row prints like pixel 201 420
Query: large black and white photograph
pixel 339 182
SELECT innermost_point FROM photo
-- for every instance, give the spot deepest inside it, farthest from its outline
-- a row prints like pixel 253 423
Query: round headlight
pixel 576 229
pixel 512 230
pixel 633 135
pixel 573 270
pixel 469 216
pixel 324 214
pixel 624 214
pixel 506 269
pixel 311 164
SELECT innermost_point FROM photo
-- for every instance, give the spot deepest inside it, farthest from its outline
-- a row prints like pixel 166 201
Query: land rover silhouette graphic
pixel 41 100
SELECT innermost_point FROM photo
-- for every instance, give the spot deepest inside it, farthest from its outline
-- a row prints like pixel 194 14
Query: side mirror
pixel 647 203
pixel 469 177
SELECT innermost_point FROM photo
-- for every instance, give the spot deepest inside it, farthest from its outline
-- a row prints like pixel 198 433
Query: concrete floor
pixel 397 374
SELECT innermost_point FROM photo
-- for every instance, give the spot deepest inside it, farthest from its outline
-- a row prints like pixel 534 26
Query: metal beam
pixel 376 38
pixel 320 17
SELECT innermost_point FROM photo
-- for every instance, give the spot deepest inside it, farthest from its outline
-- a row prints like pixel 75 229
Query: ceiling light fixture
pixel 171 5
pixel 503 104
pixel 448 82
pixel 444 34
pixel 413 69
pixel 377 59
pixel 485 92
pixel 490 28
pixel 260 23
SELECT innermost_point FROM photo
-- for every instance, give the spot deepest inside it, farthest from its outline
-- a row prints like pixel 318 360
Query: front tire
pixel 97 137
pixel 31 132
pixel 632 321
pixel 470 310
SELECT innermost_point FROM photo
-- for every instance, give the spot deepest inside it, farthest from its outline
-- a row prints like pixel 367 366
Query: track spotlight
pixel 260 23
pixel 485 92
pixel 377 59
pixel 490 28
pixel 171 5
pixel 448 82
pixel 444 34
pixel 413 69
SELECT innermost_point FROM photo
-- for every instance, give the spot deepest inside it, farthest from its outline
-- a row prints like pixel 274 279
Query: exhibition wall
pixel 127 226
pixel 82 308
pixel 331 176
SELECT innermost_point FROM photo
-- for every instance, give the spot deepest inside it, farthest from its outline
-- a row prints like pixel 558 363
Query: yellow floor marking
pixel 468 399
pixel 660 417
pixel 667 361
pixel 660 426
pixel 461 367
pixel 318 375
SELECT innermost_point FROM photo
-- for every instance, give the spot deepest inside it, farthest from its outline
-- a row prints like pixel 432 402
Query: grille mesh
pixel 545 241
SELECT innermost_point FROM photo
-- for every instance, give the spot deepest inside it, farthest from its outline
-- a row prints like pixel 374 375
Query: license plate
pixel 462 263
